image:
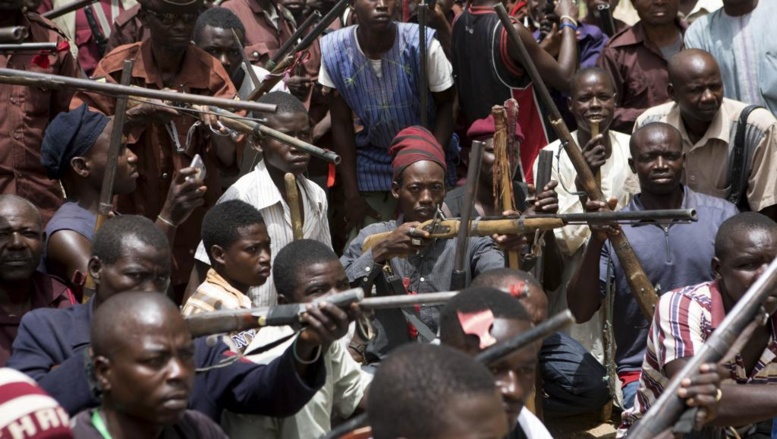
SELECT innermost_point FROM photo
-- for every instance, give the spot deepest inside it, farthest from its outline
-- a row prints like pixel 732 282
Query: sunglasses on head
pixel 169 18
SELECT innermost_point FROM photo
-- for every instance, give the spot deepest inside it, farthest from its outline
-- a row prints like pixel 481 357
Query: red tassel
pixel 330 177
pixel 41 60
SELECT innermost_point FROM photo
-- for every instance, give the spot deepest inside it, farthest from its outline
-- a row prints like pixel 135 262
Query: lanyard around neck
pixel 98 423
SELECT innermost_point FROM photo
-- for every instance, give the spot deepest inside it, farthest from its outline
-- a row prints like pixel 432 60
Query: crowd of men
pixel 672 107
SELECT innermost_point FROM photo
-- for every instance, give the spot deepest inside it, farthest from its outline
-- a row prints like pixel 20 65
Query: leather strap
pixel 738 169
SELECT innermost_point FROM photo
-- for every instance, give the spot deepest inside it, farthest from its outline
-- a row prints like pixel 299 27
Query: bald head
pixel 691 63
pixel 21 242
pixel 655 132
pixel 696 86
pixel 18 205
pixel 508 280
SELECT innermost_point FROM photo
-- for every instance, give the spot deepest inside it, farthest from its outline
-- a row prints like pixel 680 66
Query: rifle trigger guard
pixel 364 328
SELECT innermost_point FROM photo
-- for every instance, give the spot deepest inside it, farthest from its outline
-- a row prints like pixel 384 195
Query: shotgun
pixel 638 281
pixel 282 51
pixel 668 408
pixel 219 322
pixel 605 17
pixel 423 85
pixel 13 34
pixel 28 47
pixel 66 9
pixel 504 225
pixel 459 275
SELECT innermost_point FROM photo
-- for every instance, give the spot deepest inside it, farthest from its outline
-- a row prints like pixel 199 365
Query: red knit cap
pixel 414 144
pixel 26 411
pixel 483 129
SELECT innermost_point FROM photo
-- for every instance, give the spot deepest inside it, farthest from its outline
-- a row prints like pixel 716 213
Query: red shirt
pixel 263 39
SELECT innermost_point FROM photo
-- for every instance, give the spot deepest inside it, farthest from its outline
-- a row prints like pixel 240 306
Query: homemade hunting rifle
pixel 220 322
pixel 283 51
pixel 459 274
pixel 638 281
pixel 505 225
pixel 28 47
pixel 669 407
pixel 13 34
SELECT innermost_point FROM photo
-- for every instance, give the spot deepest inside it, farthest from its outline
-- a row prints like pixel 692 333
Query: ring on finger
pixel 411 232
pixel 718 395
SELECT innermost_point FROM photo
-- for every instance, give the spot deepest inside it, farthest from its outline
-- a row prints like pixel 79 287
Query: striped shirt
pixel 257 189
pixel 683 321
pixel 216 294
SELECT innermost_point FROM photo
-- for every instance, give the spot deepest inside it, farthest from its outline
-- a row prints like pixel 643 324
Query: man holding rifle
pixel 673 255
pixel 685 319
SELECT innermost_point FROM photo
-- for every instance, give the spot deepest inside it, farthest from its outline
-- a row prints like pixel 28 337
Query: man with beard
pixel 709 124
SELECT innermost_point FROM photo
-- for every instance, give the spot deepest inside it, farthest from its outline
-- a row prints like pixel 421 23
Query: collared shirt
pixel 673 256
pixel 640 73
pixel 257 189
pixel 46 292
pixel 340 396
pixel 683 322
pixel 159 158
pixel 745 51
pixel 26 113
pixel 707 161
pixel 216 294
pixel 266 31
pixel 617 181
pixel 127 29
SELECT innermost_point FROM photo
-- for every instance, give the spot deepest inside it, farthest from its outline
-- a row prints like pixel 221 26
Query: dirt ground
pixel 584 427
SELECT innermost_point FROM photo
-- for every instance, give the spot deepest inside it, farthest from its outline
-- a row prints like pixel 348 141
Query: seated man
pixel 572 380
pixel 22 288
pixel 145 380
pixel 434 392
pixel 417 264
pixel 672 255
pixel 685 319
pixel 130 254
pixel 304 271
pixel 238 247
pixel 709 124
pixel 74 151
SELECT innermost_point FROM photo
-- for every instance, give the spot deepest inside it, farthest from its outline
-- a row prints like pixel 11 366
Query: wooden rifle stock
pixel 502 174
pixel 668 408
pixel 459 275
pixel 66 9
pixel 13 34
pixel 638 281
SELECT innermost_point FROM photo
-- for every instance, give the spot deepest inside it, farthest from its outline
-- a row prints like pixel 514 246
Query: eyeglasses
pixel 169 18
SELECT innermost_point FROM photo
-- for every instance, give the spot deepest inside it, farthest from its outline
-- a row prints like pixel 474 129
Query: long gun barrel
pixel 43 80
pixel 70 7
pixel 459 274
pixel 13 34
pixel 28 47
pixel 488 226
pixel 605 16
pixel 233 121
pixel 539 332
pixel 284 49
pixel 638 281
pixel 219 322
pixel 668 408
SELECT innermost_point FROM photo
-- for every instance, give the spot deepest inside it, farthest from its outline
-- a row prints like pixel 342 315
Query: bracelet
pixel 568 18
pixel 300 360
pixel 569 25
pixel 169 223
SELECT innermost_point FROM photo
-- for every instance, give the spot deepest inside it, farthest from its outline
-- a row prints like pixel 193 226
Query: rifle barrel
pixel 385 302
pixel 287 45
pixel 539 332
pixel 336 11
pixel 43 80
pixel 625 217
pixel 248 127
pixel 13 34
pixel 70 7
pixel 32 47
pixel 668 408
pixel 459 275
pixel 605 17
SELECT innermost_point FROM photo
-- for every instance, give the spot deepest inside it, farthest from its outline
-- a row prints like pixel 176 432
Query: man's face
pixel 420 190
pixel 656 12
pixel 151 375
pixel 698 89
pixel 283 156
pixel 592 101
pixel 221 44
pixel 141 267
pixel 21 241
pixel 658 161
pixel 375 14
pixel 475 417
pixel 125 181
pixel 320 280
pixel 748 253
pixel 515 373
pixel 170 26
pixel 247 260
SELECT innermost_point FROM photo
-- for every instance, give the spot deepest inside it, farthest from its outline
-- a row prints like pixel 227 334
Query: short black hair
pixel 219 17
pixel 475 299
pixel 740 224
pixel 412 388
pixel 638 134
pixel 222 223
pixel 589 71
pixel 286 102
pixel 297 254
pixel 108 243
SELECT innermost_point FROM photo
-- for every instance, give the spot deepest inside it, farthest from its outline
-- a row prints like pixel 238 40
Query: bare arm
pixel 583 296
pixel 67 252
pixel 443 127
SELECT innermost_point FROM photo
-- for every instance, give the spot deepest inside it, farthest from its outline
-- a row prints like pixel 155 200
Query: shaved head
pixel 19 205
pixel 652 132
pixel 690 63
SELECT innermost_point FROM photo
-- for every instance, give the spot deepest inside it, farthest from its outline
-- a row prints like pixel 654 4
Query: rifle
pixel 423 85
pixel 459 275
pixel 28 47
pixel 13 34
pixel 638 281
pixel 246 63
pixel 66 9
pixel 243 125
pixel 43 80
pixel 505 225
pixel 605 17
pixel 284 49
pixel 668 408
pixel 544 171
pixel 219 322
pixel 503 174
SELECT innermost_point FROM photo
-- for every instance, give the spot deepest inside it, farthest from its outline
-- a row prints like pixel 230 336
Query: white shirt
pixel 257 189
pixel 532 426
pixel 438 68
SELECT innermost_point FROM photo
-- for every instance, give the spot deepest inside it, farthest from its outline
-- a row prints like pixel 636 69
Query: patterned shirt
pixel 216 294
pixel 683 322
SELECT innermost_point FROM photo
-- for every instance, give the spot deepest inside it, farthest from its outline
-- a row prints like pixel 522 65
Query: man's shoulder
pixel 127 16
pixel 709 204
pixel 114 60
pixel 700 294
pixel 210 66
pixel 59 319
pixel 41 22
pixel 659 113
pixel 760 117
pixel 626 37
